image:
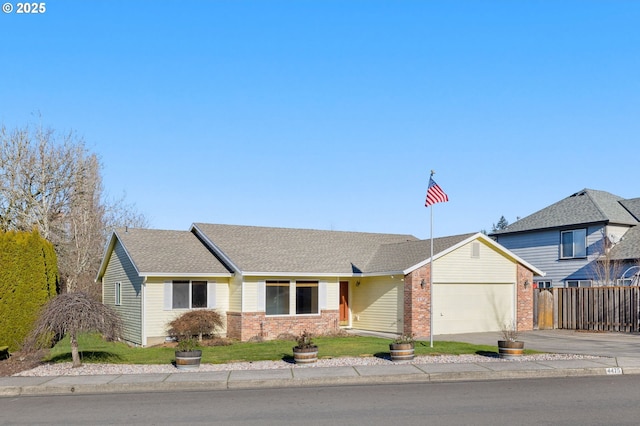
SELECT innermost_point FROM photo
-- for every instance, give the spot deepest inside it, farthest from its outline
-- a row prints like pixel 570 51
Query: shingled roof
pixel 583 207
pixel 160 252
pixel 220 250
pixel 401 256
pixel 257 249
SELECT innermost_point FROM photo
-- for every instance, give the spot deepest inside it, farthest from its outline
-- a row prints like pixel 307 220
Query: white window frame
pixel 543 284
pixel 118 293
pixel 210 298
pixel 293 286
pixel 574 246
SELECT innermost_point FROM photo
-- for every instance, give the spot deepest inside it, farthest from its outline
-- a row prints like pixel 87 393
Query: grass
pixel 95 350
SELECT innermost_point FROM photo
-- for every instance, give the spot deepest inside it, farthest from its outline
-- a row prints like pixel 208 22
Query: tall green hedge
pixel 28 279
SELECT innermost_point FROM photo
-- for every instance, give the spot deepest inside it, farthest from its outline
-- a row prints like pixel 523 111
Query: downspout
pixel 143 311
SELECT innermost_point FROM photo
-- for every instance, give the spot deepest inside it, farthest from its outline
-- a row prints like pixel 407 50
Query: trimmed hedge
pixel 28 279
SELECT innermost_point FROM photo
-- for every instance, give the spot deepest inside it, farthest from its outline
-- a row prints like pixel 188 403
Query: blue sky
pixel 330 114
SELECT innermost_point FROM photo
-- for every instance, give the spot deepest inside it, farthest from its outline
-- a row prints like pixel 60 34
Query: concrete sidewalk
pixel 315 376
pixel 619 351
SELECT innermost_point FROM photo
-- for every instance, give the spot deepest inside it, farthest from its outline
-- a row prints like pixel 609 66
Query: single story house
pixel 268 281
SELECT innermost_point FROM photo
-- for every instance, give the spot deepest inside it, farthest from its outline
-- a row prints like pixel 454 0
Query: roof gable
pixel 166 253
pixel 402 256
pixel 583 207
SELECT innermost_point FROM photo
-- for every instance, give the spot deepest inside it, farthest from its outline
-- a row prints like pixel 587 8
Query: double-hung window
pixel 285 297
pixel 573 244
pixel 189 294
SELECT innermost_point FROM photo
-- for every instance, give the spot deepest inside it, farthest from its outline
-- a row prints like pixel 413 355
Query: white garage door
pixel 471 308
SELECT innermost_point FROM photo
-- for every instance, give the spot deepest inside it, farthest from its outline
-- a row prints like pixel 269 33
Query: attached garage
pixel 478 286
pixel 472 307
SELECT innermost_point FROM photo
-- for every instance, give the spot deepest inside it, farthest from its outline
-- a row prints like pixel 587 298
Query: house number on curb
pixel 614 370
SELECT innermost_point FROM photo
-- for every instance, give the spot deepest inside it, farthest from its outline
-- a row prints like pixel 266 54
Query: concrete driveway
pixel 563 341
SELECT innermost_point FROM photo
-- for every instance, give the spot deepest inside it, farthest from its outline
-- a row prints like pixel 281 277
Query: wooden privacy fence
pixel 588 308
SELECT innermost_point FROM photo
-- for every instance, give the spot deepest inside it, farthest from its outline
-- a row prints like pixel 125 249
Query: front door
pixel 344 303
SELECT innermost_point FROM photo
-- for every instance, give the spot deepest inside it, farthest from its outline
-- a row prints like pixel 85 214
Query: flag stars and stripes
pixel 435 194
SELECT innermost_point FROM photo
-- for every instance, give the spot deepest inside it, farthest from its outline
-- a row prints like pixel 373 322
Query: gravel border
pixel 65 369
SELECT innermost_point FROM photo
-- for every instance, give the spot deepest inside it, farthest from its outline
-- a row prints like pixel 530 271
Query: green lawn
pixel 96 350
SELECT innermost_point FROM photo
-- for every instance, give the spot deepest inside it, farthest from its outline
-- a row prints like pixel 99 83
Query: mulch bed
pixel 18 362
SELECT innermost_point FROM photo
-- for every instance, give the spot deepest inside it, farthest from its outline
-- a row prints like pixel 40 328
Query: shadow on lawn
pixel 93 356
pixel 488 354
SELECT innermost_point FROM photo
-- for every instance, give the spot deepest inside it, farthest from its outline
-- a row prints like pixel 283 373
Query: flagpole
pixel 431 273
pixel 435 194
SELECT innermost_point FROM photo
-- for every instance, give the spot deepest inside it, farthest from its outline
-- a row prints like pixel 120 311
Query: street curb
pixel 208 385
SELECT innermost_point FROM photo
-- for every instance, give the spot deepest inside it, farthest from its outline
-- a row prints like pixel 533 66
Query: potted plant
pixel 402 348
pixel 188 356
pixel 306 351
pixel 189 328
pixel 510 347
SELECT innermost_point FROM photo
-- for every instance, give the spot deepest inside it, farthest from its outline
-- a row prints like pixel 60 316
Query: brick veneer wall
pixel 246 325
pixel 525 299
pixel 416 302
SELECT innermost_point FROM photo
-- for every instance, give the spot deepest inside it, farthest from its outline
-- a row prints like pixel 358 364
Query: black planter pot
pixel 188 360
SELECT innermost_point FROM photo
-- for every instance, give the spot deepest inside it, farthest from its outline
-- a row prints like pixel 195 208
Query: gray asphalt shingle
pixel 169 252
pixel 586 206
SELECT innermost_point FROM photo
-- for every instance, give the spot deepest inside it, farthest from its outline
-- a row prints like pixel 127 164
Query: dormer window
pixel 573 244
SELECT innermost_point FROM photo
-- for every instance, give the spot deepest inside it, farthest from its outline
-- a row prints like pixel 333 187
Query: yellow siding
pixel 156 318
pixel 460 267
pixel 378 304
pixel 250 296
pixel 235 294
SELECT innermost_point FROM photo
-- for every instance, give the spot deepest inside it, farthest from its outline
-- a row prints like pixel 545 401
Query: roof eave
pixel 147 275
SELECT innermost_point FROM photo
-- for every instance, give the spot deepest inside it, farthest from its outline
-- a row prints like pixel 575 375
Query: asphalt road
pixel 599 400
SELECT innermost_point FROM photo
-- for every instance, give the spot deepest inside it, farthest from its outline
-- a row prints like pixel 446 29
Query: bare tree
pixel 53 183
pixel 605 269
pixel 70 314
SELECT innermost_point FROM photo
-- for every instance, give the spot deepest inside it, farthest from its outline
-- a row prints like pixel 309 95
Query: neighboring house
pixel 588 239
pixel 270 281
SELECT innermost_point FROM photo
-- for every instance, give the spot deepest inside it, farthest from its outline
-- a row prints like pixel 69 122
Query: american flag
pixel 435 194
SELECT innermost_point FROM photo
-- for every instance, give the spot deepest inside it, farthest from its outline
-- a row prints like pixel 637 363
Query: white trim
pixel 225 259
pixel 322 295
pixel 261 297
pixel 144 312
pixel 202 275
pixel 168 296
pixel 211 294
pixel 486 239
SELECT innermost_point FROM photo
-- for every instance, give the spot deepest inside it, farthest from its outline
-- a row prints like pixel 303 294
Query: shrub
pixel 28 279
pixel 195 323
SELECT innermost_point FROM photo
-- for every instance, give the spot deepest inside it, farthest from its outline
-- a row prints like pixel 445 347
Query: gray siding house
pixel 590 238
